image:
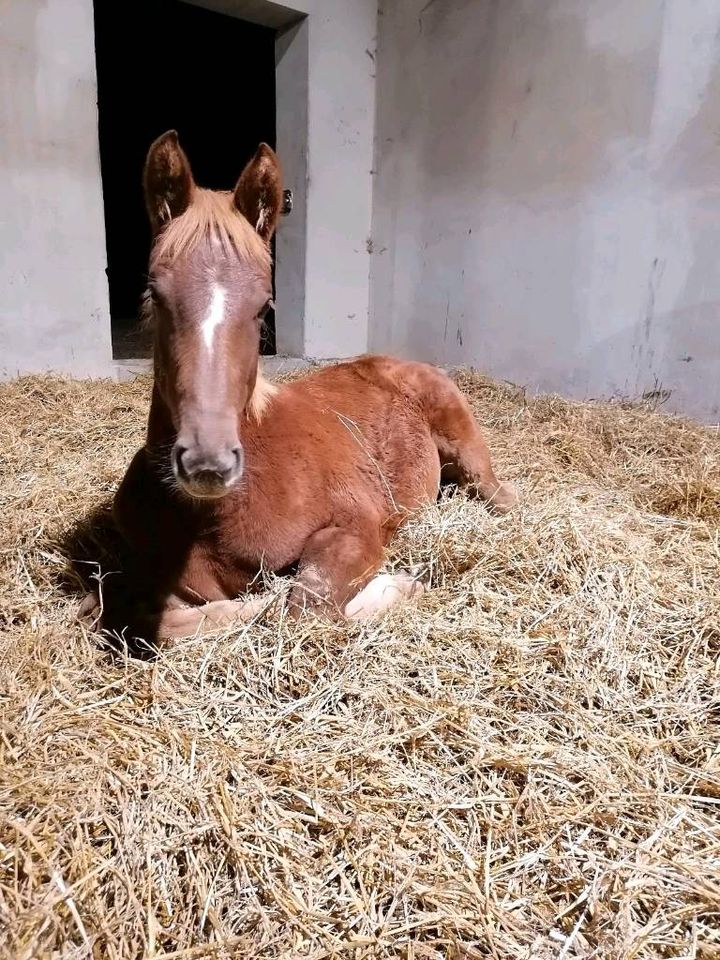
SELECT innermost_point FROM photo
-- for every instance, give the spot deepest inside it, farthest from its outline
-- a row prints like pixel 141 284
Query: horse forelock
pixel 212 215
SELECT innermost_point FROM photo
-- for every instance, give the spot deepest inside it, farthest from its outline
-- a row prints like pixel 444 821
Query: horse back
pixel 359 426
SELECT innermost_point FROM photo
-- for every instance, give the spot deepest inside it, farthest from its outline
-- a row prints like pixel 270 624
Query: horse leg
pixel 336 562
pixel 464 454
pixel 181 621
pixel 175 620
pixel 336 575
pixel 465 459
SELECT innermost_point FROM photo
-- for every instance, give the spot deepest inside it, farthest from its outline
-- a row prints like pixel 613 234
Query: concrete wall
pixel 53 288
pixel 547 196
pixel 292 99
pixel 340 157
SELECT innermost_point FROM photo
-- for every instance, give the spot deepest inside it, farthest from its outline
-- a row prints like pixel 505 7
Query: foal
pixel 238 475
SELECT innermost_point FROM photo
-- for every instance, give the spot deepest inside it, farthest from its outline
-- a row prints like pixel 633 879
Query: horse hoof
pixel 505 498
pixel 421 574
pixel 89 611
pixel 384 591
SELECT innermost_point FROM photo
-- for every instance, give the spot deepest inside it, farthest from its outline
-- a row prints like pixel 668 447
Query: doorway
pixel 170 65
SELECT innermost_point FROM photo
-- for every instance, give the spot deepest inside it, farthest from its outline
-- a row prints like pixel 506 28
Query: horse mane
pixel 261 397
pixel 211 214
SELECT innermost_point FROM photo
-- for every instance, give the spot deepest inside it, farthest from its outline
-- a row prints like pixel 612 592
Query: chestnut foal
pixel 238 475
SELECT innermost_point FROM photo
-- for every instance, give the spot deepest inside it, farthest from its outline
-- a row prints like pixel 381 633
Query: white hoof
pixel 383 592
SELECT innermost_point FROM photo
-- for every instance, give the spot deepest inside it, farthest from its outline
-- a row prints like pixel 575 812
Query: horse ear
pixel 167 180
pixel 258 194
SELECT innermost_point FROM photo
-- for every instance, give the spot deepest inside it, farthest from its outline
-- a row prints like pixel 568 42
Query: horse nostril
pixel 210 469
pixel 234 467
pixel 178 457
pixel 209 478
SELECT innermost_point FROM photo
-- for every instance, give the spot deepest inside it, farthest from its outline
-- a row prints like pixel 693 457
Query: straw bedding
pixel 524 765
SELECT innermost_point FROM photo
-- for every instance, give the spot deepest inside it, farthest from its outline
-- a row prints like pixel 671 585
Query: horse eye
pixel 270 305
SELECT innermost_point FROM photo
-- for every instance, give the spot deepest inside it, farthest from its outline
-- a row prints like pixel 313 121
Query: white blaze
pixel 215 315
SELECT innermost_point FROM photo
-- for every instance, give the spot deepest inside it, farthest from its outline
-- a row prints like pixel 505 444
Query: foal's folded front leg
pixel 175 619
pixel 337 575
pixel 181 621
pixel 336 563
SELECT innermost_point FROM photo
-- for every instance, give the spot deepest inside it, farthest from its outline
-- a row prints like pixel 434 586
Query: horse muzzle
pixel 205 474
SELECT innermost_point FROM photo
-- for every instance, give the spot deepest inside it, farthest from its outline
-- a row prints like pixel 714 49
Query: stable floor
pixel 524 764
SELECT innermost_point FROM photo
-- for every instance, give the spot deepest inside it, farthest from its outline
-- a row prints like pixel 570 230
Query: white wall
pixel 53 290
pixel 340 159
pixel 547 197
pixel 292 97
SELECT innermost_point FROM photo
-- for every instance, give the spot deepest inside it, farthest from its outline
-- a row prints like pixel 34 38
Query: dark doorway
pixel 164 64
